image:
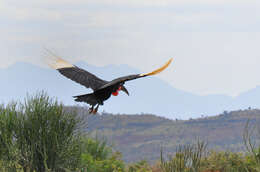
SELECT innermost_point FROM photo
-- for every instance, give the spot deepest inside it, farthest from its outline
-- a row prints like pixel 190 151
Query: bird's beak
pixel 124 90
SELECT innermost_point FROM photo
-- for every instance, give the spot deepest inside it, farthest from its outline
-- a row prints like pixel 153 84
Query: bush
pixel 226 162
pixel 141 166
pixel 186 159
pixel 98 157
pixel 39 135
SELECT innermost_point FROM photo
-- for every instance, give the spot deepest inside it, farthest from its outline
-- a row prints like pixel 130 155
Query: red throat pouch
pixel 115 93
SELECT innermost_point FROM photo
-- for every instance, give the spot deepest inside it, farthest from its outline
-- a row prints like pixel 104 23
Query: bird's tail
pixel 88 98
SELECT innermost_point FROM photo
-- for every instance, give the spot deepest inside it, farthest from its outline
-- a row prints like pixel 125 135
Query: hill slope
pixel 142 136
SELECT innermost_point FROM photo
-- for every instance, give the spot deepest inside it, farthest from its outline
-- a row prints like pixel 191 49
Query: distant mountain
pixel 141 137
pixel 149 95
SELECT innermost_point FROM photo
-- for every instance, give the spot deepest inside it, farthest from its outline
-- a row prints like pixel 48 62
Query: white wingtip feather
pixel 55 61
pixel 60 63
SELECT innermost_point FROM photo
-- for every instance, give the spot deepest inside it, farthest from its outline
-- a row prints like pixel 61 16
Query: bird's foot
pixel 95 110
pixel 90 110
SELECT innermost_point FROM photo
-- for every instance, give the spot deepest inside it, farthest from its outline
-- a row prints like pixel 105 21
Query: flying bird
pixel 102 90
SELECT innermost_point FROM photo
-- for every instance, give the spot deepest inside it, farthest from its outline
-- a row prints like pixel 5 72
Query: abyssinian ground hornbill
pixel 102 89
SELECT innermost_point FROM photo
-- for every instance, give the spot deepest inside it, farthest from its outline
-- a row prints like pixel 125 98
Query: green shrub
pixel 225 162
pixel 141 166
pixel 99 157
pixel 186 159
pixel 39 135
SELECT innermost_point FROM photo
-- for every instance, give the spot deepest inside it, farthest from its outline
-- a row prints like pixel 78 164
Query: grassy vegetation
pixel 41 135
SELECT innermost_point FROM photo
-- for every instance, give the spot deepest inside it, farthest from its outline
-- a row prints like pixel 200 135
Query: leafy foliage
pixel 226 161
pixel 97 156
pixel 186 159
pixel 38 135
pixel 195 158
pixel 141 166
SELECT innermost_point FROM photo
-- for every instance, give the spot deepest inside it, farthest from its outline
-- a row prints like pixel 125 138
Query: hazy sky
pixel 215 43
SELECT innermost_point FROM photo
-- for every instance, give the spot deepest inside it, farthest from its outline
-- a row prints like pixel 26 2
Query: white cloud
pixel 82 14
pixel 20 14
pixel 165 3
pixel 135 2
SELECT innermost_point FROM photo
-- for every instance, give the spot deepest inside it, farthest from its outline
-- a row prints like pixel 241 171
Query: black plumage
pixel 102 90
pixel 82 77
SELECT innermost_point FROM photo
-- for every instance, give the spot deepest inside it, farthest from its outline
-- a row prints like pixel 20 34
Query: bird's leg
pixel 90 110
pixel 96 109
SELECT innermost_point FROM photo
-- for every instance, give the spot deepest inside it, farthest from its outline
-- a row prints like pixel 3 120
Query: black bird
pixel 102 89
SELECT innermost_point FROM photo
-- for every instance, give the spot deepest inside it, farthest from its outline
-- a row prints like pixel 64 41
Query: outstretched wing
pixel 75 73
pixel 132 77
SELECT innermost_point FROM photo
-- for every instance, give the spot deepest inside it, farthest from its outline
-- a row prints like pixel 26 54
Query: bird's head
pixel 120 88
